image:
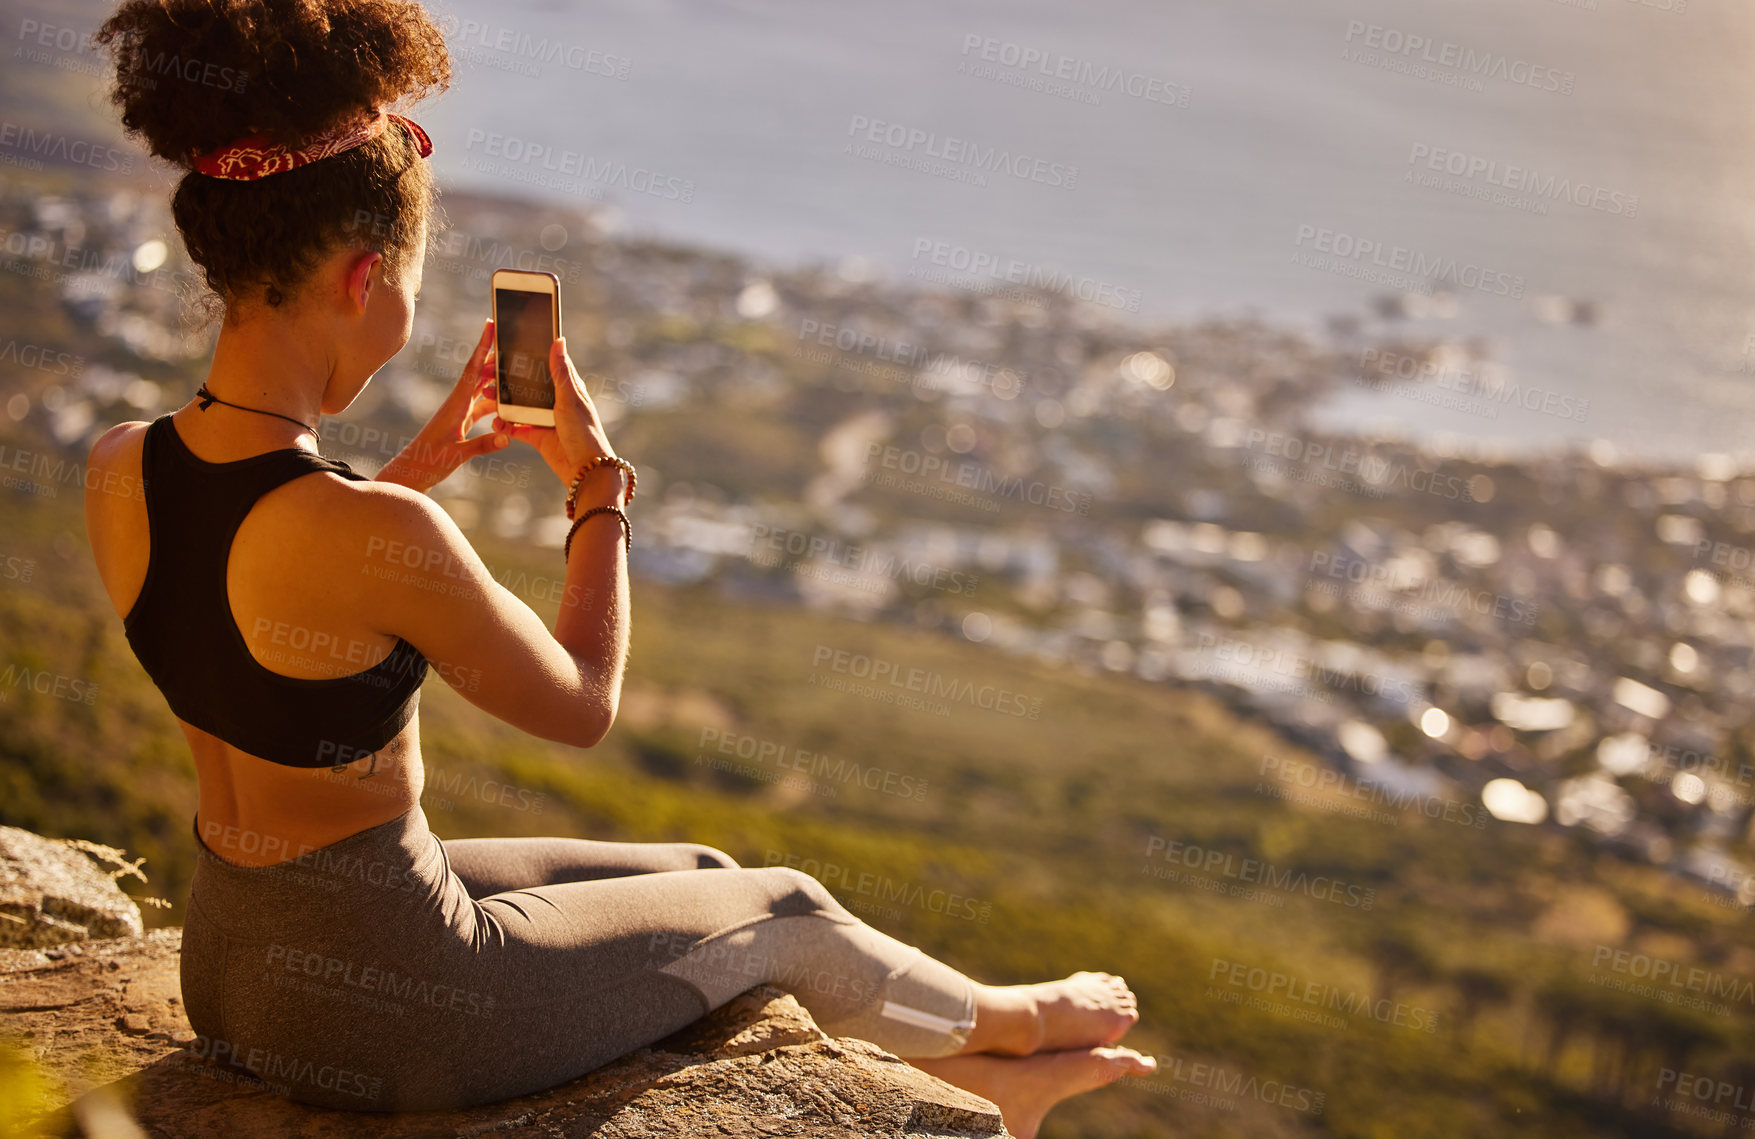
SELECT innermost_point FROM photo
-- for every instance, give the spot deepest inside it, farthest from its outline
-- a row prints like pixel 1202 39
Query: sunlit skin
pixel 311 559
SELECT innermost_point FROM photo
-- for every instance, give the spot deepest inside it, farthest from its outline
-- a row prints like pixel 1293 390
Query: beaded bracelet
pixel 578 479
pixel 627 529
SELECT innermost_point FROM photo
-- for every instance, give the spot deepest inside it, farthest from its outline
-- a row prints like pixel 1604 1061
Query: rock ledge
pixel 105 1020
pixel 51 892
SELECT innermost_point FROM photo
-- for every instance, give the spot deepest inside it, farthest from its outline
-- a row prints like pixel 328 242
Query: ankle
pixel 1006 1020
pixel 1017 1026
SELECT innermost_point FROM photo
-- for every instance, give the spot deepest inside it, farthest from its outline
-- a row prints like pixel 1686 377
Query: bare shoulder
pixel 114 491
pixel 118 441
pixel 367 508
pixel 381 531
pixel 115 511
pixel 116 453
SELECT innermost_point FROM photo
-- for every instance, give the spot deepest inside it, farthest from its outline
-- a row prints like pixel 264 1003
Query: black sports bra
pixel 184 634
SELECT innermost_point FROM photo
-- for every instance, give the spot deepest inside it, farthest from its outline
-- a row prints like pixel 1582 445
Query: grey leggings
pixel 391 971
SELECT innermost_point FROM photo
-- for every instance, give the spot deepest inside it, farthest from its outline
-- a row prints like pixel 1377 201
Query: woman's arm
pixel 424 582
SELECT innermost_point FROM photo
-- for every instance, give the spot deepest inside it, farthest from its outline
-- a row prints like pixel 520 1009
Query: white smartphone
pixel 527 319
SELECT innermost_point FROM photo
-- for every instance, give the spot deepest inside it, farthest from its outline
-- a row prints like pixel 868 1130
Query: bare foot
pixel 1025 1087
pixel 1079 1011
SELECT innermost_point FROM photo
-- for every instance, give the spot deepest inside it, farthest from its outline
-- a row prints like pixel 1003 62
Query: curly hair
pixel 195 75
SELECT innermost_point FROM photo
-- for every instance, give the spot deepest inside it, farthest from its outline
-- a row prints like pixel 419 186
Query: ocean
pixel 1575 176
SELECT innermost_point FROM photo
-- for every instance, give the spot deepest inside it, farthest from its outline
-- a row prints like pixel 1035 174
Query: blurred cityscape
pixel 1563 642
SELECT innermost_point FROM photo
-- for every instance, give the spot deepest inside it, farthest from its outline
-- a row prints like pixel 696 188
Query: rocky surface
pixel 105 1021
pixel 53 892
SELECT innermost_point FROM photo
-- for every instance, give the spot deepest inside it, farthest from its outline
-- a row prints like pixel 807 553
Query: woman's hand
pixel 442 445
pixel 577 436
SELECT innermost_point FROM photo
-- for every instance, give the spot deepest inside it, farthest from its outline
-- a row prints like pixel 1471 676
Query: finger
pixel 478 407
pixel 483 349
pixel 529 432
pixel 559 364
pixel 483 444
pixel 579 387
pixel 465 407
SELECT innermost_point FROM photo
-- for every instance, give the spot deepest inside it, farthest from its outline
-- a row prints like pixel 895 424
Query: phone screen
pixel 525 331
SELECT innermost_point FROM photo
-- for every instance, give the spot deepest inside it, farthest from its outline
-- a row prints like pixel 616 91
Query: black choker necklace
pixel 208 399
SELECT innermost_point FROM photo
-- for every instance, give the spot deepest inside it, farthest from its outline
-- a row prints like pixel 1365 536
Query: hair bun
pixel 194 75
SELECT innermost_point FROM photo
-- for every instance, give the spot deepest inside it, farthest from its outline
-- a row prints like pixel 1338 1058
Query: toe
pixel 1125 1060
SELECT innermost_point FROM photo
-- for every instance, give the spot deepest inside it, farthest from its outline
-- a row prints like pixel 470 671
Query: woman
pixel 334 946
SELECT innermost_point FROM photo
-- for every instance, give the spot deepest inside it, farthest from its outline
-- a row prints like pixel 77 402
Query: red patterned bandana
pixel 259 156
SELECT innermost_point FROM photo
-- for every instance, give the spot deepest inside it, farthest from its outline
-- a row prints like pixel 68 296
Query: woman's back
pixel 302 715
